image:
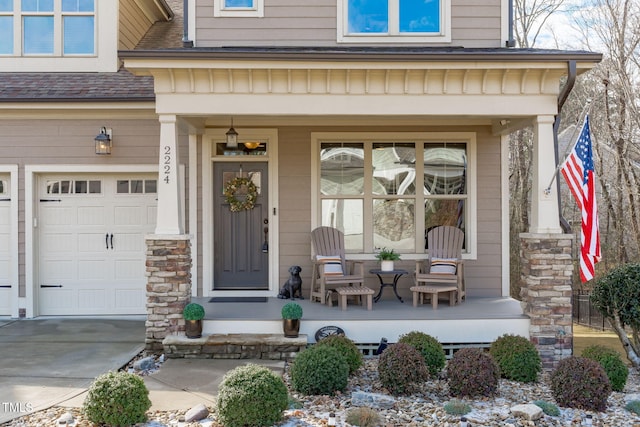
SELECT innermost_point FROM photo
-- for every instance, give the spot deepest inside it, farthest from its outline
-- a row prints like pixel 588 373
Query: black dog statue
pixel 293 285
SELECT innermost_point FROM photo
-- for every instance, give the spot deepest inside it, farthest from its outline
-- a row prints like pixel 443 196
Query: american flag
pixel 577 170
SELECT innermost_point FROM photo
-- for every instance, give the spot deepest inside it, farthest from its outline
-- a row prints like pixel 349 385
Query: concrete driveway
pixel 47 361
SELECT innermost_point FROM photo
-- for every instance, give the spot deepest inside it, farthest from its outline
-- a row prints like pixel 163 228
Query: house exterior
pixel 332 103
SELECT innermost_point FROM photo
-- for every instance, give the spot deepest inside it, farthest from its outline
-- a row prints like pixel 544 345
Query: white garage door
pixel 91 243
pixel 5 239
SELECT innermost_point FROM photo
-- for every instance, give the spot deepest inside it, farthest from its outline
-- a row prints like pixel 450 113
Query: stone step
pixel 234 346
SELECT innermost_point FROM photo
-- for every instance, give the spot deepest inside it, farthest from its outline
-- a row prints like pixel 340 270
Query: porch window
pixel 393 21
pixel 48 27
pixel 238 8
pixel 376 192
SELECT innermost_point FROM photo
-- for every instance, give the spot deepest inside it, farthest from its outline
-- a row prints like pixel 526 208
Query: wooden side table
pixel 397 273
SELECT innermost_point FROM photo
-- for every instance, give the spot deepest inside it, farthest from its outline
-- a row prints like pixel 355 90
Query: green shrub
pixel 401 367
pixel 347 348
pixel 363 417
pixel 291 310
pixel 193 311
pixel 517 358
pixel 610 360
pixel 251 395
pixel 457 407
pixel 633 406
pixel 472 372
pixel 581 383
pixel 319 369
pixel 117 399
pixel 548 408
pixel 429 347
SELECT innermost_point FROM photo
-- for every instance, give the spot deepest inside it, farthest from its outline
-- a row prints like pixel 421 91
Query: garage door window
pixel 3 185
pixel 137 186
pixel 74 187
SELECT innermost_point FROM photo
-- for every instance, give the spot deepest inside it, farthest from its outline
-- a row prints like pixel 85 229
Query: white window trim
pixel 443 37
pixel 219 11
pixel 104 59
pixel 472 193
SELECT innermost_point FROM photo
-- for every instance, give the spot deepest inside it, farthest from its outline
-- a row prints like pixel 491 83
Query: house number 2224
pixel 167 163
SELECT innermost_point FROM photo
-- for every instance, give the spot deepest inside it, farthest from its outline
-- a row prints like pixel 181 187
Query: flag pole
pixel 583 114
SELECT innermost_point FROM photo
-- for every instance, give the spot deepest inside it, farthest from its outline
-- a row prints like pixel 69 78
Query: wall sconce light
pixel 232 137
pixel 103 141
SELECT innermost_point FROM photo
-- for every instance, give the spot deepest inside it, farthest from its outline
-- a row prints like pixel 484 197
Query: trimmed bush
pixel 548 408
pixel 580 383
pixel 472 372
pixel 517 358
pixel 347 348
pixel 117 399
pixel 193 311
pixel 401 367
pixel 319 369
pixel 429 347
pixel 610 360
pixel 251 395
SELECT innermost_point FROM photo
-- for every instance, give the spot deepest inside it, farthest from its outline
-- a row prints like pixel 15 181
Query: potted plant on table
pixel 291 315
pixel 387 257
pixel 193 314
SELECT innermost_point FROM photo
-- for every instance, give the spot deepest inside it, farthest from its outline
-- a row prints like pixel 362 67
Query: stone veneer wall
pixel 546 276
pixel 234 346
pixel 168 287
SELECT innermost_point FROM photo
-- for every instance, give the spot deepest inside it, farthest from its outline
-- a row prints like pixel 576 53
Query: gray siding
pixel 474 23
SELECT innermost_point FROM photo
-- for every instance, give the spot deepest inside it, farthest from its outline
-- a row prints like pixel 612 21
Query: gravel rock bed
pixel 423 408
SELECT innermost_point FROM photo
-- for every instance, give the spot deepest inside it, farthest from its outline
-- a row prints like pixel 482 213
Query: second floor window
pixel 393 20
pixel 238 8
pixel 47 27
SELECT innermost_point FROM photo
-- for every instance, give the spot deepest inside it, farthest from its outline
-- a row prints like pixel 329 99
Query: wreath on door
pixel 232 187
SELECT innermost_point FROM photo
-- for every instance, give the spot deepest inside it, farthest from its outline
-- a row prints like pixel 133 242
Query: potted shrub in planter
pixel 193 314
pixel 291 315
pixel 387 257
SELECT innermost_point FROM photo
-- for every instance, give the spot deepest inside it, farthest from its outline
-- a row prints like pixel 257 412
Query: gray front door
pixel 240 238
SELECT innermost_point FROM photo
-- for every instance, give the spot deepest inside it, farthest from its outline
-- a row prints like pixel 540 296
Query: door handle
pixel 108 238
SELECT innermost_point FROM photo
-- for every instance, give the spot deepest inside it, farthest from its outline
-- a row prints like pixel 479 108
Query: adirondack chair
pixel 443 271
pixel 330 268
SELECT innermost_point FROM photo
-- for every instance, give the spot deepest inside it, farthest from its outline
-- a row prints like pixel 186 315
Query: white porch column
pixel 169 219
pixel 544 207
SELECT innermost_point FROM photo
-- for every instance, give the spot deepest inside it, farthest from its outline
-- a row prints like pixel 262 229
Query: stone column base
pixel 168 287
pixel 547 269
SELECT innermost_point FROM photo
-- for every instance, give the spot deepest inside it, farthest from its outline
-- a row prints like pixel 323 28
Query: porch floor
pixel 476 320
pixel 471 308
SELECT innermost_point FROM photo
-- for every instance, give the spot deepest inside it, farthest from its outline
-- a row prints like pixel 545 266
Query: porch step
pixel 234 346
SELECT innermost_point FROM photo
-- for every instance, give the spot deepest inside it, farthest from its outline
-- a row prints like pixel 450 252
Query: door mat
pixel 238 299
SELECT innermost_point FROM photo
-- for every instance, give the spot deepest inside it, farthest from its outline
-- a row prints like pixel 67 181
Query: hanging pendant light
pixel 232 137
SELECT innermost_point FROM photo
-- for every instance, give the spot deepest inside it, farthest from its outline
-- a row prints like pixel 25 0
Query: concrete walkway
pixel 52 362
pixel 44 362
